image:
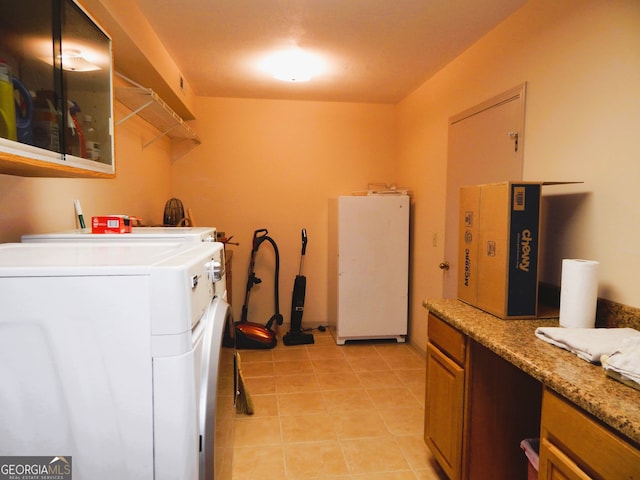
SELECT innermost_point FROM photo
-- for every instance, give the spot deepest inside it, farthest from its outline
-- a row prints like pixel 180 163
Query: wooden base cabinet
pixel 445 394
pixel 558 466
pixel 478 408
pixel 576 446
pixel 444 412
pixel 228 255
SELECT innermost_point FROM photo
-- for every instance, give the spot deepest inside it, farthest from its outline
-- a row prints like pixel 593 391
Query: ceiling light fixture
pixel 73 60
pixel 293 65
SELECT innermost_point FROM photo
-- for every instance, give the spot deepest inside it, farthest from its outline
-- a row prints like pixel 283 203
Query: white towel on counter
pixel 588 343
pixel 626 359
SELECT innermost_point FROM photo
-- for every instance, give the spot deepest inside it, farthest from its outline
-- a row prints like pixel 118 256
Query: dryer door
pixel 216 395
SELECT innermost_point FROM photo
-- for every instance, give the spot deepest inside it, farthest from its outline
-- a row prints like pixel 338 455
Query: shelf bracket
pixel 133 113
pixel 158 137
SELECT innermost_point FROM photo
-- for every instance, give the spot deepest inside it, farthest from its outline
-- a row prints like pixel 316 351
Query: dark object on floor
pixel 244 404
pixel 296 336
pixel 249 334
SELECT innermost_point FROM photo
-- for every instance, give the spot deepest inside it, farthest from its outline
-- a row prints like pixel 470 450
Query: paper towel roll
pixel 578 293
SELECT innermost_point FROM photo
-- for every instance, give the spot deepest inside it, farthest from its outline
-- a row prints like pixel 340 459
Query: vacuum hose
pixel 277 317
pixel 260 236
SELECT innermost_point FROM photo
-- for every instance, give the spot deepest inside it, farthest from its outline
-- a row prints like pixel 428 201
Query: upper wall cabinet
pixel 56 113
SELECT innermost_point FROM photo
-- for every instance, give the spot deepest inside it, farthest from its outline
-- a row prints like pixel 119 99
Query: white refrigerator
pixel 372 267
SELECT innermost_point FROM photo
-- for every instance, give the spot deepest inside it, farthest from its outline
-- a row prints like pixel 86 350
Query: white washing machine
pixel 110 353
pixel 138 234
pixel 146 234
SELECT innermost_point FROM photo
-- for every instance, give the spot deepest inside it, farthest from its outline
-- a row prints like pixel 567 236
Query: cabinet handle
pixel 444 266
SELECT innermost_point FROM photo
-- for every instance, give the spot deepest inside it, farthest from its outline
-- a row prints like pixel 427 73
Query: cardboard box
pixel 111 224
pixel 468 251
pixel 498 248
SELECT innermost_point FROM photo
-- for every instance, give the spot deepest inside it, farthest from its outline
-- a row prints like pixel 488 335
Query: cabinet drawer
pixel 451 341
pixel 594 448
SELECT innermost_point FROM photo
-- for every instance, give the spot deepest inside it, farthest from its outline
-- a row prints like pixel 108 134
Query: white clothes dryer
pixel 110 354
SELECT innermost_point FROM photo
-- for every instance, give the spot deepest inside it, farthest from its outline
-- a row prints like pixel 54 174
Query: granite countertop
pixel 584 384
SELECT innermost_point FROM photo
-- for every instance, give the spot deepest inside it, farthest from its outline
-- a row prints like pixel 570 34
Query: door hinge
pixel 515 136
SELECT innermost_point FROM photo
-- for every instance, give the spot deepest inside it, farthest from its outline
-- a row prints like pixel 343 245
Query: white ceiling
pixel 379 50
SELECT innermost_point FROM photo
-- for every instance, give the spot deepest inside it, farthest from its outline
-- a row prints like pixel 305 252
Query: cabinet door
pixel 554 465
pixel 444 412
pixel 55 81
pixel 85 60
pixel 584 441
pixel 29 119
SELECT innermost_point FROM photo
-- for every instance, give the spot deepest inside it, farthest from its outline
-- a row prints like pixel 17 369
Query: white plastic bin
pixel 531 448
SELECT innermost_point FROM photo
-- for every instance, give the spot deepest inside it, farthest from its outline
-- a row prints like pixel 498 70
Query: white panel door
pixel 485 146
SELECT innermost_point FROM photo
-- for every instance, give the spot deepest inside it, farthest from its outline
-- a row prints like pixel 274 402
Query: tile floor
pixel 324 411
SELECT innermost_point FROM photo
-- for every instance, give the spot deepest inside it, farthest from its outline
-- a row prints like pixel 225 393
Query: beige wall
pixel 275 165
pixel 141 188
pixel 581 62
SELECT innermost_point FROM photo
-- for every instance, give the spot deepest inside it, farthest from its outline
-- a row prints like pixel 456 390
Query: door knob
pixel 444 266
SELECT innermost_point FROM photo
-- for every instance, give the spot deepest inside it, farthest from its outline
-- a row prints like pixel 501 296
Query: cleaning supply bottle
pixel 93 147
pixel 7 104
pixel 46 127
pixel 74 136
pixel 24 112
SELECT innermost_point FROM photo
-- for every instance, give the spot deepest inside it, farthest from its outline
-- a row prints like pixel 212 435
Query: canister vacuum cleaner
pixel 249 334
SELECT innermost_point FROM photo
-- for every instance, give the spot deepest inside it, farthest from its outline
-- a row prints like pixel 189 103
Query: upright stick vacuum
pixel 296 336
